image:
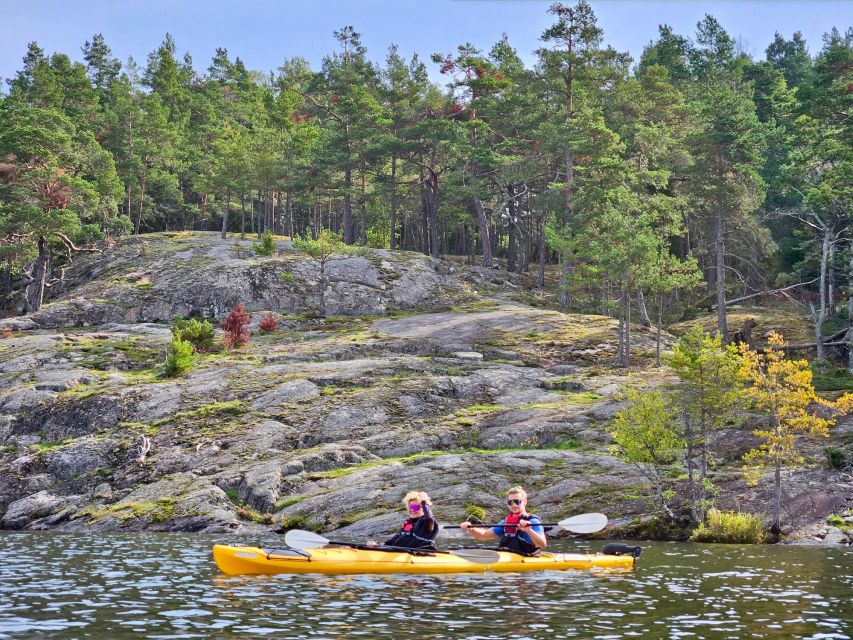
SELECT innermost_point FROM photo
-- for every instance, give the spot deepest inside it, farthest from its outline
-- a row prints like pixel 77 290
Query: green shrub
pixel 729 527
pixel 837 457
pixel 247 513
pixel 281 504
pixel 266 246
pixel 475 511
pixel 837 521
pixel 199 333
pixel 180 358
pixel 293 522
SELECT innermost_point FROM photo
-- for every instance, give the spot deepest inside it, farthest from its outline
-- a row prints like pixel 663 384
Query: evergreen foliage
pixel 179 358
pixel 699 164
pixel 199 333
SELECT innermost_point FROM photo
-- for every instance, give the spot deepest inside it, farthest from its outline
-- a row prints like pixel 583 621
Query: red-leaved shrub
pixel 268 323
pixel 236 327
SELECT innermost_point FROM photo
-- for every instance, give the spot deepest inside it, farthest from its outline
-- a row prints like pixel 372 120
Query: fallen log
pixel 767 292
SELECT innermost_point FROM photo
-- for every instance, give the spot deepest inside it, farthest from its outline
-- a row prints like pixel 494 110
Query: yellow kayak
pixel 241 560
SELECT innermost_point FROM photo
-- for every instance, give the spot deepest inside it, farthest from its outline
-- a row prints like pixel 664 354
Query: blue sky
pixel 264 32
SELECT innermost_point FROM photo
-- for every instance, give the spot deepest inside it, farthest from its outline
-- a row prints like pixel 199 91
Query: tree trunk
pixel 541 276
pixel 831 288
pixel 641 308
pixel 565 295
pixel 627 328
pixel 695 511
pixel 362 205
pixel 225 208
pixel 513 230
pixel 850 312
pixel 482 222
pixel 392 242
pixel 720 249
pixel 433 217
pixel 820 316
pixel 424 235
pixel 288 212
pixel 251 211
pixel 242 216
pixel 141 202
pixel 659 323
pixel 776 529
pixel 276 216
pixel 40 269
pixel 348 226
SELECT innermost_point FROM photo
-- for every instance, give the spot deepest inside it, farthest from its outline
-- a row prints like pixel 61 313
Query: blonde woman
pixel 520 532
pixel 420 528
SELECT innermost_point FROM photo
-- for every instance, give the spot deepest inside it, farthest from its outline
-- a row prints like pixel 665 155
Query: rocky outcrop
pixel 160 276
pixel 325 423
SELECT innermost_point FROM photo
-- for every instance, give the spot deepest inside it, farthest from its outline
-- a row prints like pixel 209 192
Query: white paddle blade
pixel 478 556
pixel 584 523
pixel 299 539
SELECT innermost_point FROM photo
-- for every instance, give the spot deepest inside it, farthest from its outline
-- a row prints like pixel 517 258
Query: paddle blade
pixel 299 539
pixel 477 556
pixel 584 523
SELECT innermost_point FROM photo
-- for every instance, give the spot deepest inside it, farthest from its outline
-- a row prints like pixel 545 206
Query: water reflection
pixel 166 586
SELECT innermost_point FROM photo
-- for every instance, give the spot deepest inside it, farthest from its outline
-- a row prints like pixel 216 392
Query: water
pixel 167 586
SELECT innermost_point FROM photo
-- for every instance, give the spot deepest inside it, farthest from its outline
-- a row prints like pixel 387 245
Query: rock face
pixel 160 276
pixel 325 423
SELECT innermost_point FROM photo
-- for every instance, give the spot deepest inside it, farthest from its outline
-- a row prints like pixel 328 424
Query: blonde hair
pixel 518 490
pixel 416 495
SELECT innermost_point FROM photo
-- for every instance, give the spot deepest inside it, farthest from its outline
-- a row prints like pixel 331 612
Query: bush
pixel 729 527
pixel 268 324
pixel 199 333
pixel 267 246
pixel 236 327
pixel 180 358
pixel 475 511
pixel 837 457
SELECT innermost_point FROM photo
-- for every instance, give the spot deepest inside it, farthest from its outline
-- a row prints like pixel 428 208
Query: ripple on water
pixel 166 586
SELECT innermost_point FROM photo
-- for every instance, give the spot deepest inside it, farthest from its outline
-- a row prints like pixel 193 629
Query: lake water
pixel 167 586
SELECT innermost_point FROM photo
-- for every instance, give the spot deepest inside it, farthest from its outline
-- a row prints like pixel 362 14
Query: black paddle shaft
pixel 386 547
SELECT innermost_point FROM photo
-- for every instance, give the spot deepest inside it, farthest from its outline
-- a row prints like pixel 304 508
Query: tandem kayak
pixel 241 560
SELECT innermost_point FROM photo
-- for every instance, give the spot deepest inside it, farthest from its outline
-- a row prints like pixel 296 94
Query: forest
pixel 694 178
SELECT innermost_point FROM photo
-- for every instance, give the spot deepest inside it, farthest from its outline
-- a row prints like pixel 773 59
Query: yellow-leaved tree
pixel 783 391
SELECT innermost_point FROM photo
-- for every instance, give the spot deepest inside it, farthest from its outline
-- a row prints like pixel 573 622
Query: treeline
pixel 695 164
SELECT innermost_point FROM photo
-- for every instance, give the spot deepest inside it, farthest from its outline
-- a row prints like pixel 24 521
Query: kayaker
pixel 420 528
pixel 521 532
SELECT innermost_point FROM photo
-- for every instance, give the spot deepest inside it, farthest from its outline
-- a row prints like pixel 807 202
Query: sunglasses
pixel 513 501
pixel 414 508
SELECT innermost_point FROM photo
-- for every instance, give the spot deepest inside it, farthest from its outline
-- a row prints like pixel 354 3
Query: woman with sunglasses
pixel 420 528
pixel 520 532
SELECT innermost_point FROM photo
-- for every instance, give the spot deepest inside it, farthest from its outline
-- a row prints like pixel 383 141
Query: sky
pixel 265 32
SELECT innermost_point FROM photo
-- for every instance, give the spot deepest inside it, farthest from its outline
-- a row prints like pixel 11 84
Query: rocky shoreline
pixel 426 375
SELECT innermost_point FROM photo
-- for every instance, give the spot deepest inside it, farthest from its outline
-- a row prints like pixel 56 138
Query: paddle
pixel 583 523
pixel 302 540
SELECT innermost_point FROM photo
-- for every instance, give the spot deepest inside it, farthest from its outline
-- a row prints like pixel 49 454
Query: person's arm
pixel 536 531
pixel 478 533
pixel 427 517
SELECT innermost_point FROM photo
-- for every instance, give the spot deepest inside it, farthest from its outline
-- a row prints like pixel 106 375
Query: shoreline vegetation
pixel 237 301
